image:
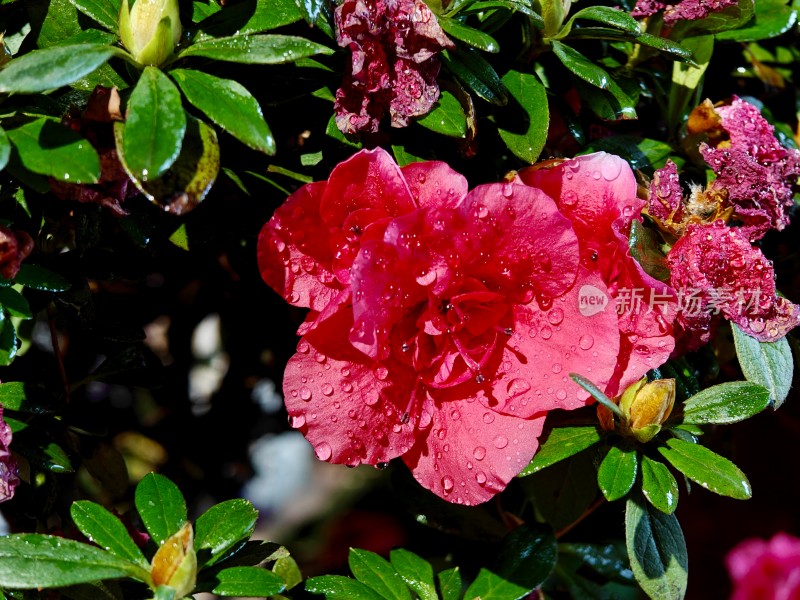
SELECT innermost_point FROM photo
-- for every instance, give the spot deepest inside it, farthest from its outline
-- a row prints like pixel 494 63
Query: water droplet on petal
pixel 426 277
pixel 323 451
pixel 481 211
pixel 327 389
pixel 303 347
pixel 500 442
pixel 561 394
pixel 305 394
pixel 546 332
pixel 479 452
pixel 381 373
pixel 488 417
pixel 480 477
pixel 557 368
pixel 370 397
pixel 447 484
pixel 586 342
pixel 570 197
pixel 297 421
pixel 455 415
pixel 555 316
pixel 517 387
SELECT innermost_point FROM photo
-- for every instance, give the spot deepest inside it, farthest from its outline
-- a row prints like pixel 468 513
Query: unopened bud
pixel 646 406
pixel 150 30
pixel 175 562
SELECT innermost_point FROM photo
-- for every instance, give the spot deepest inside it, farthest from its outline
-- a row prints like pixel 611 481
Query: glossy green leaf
pixel 707 468
pixel 228 104
pixel 416 572
pixel 107 531
pixel 269 49
pixel 337 587
pixel 221 527
pixel 659 486
pixel 5 149
pixel 312 10
pixel 728 402
pixel 488 586
pixel 602 14
pixel 657 550
pixel 49 148
pixel 164 592
pixel 687 79
pixel 450 583
pixel 645 246
pixel 767 363
pixel 250 16
pixel 596 393
pixel 8 340
pixel 161 506
pixel 527 556
pixel 377 573
pixel 105 12
pixel 673 49
pixel 610 561
pixel 288 570
pixel 512 5
pixel 13 396
pixel 45 561
pixel 469 35
pixel 155 126
pixel 561 443
pixel 617 472
pixel 476 74
pixel 39 278
pixel 447 117
pixel 248 581
pixel 51 68
pixel 771 18
pixel 15 303
pixel 524 127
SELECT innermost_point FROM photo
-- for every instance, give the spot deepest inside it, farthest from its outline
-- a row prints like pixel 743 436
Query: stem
pixel 595 505
pixel 51 321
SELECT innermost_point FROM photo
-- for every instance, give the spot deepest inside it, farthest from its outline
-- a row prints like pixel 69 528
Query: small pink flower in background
pixel 462 310
pixel 685 10
pixel 393 67
pixel 15 246
pixel 9 478
pixel 766 570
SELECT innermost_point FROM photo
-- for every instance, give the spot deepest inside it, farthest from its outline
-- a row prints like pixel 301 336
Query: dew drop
pixel 500 442
pixel 479 452
pixel 297 421
pixel 480 477
pixel 570 198
pixel 517 387
pixel 370 397
pixel 586 342
pixel 546 332
pixel 327 389
pixel 323 451
pixel 508 190
pixel 455 415
pixel 557 368
pixel 555 316
pixel 305 394
pixel 481 211
pixel 561 394
pixel 347 387
pixel 757 325
pixel 447 484
pixel 381 373
pixel 303 347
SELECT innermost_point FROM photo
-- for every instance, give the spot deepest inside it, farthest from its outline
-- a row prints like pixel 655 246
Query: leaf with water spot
pixel 268 49
pixel 160 505
pixel 561 443
pixel 107 531
pixel 659 486
pixel 52 68
pixel 447 117
pixel 617 472
pixel 523 123
pixel 726 403
pixel 767 363
pixel 707 468
pixel 469 35
pixel 377 573
pixel 416 572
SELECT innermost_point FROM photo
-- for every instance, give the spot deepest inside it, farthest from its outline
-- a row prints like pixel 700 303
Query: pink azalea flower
pixel 685 10
pixel 462 312
pixel 9 478
pixel 393 68
pixel 721 274
pixel 766 569
pixel 597 193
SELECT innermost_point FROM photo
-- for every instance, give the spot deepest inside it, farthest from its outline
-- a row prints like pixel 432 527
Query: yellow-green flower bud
pixel 645 406
pixel 150 29
pixel 175 562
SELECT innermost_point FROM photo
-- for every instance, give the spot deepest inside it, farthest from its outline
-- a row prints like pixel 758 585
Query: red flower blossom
pixel 463 314
pixel 597 193
pixel 685 10
pixel 721 274
pixel 393 67
pixel 766 569
pixel 9 478
pixel 15 246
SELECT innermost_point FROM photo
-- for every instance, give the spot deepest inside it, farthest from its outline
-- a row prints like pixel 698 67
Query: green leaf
pixel 105 12
pixel 447 117
pixel 645 247
pixel 337 587
pixel 524 125
pixel 270 49
pixel 596 393
pixel 450 583
pixel 617 472
pixel 527 556
pixel 416 572
pixel 221 527
pixel 43 453
pixel 5 149
pixel 602 14
pixel 469 35
pixel 610 561
pixel 659 486
pixel 771 18
pixel 250 16
pixel 687 79
pixel 476 74
pixel 488 586
pixel 155 126
pixel 377 573
pixel 107 531
pixel 561 443
pixel 39 278
pixel 164 592
pixel 248 581
pixel 52 68
pixel 45 561
pixel 15 303
pixel 13 396
pixel 675 50
pixel 8 340
pixel 725 403
pixel 767 363
pixel 657 551
pixel 228 104
pixel 49 148
pixel 161 506
pixel 707 468
pixel 289 571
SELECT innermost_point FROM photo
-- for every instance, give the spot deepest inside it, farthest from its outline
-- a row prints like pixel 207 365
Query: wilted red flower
pixel 463 312
pixel 686 10
pixel 9 478
pixel 766 569
pixel 721 274
pixel 597 193
pixel 15 246
pixel 393 67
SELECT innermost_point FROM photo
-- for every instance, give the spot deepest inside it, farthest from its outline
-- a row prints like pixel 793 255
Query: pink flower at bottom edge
pixel 763 569
pixel 9 478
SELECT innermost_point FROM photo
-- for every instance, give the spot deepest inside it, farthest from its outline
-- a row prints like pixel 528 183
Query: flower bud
pixel 646 406
pixel 554 12
pixel 175 563
pixel 150 30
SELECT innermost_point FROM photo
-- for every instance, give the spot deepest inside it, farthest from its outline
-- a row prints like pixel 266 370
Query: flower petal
pixel 434 184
